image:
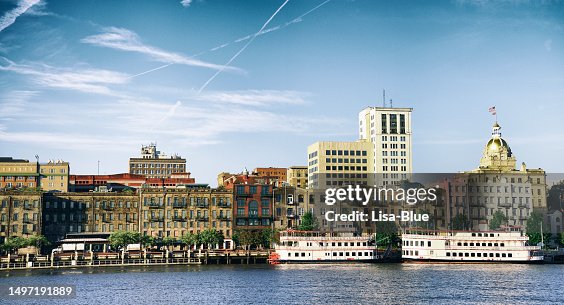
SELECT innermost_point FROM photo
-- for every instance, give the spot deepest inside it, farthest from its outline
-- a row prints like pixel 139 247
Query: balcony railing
pixel 156 219
pixel 223 217
pixel 28 220
pixel 290 215
pixel 154 206
pixel 28 207
pixel 224 205
pixel 107 207
pixel 178 205
pixel 178 218
pixel 202 218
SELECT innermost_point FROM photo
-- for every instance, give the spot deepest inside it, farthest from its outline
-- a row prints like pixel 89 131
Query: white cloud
pixel 10 17
pixel 126 40
pixel 254 97
pixel 186 3
pixel 84 80
pixel 14 102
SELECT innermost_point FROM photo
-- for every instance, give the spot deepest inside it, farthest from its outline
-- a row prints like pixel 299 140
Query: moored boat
pixel 509 245
pixel 317 247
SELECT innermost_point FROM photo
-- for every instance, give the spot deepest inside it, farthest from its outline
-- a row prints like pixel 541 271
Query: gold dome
pixel 496 145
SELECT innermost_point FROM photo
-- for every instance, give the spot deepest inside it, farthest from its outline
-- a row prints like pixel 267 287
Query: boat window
pixel 509 255
pixel 471 244
pixel 466 254
pixel 454 254
pixel 497 255
pixel 491 235
pixel 353 253
pixel 495 244
pixel 459 244
pixel 339 244
pixel 483 244
pixel 289 254
pixel 502 245
pixel 489 244
pixel 347 254
pixel 448 254
pixel 491 254
pixel 296 254
pixel 429 243
pixel 479 234
pixel 472 254
pixel 411 243
pixel 346 244
pixel 473 234
pixel 485 255
pixel 416 253
pixel 366 253
pixel 465 244
pixel 303 254
pixel 333 244
pixel 479 254
pixel 460 254
pixel 364 244
pixel 334 253
pixel 502 254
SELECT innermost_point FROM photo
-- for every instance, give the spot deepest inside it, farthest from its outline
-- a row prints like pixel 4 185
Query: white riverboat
pixel 509 245
pixel 316 247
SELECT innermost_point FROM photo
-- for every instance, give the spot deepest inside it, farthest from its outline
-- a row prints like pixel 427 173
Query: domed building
pixel 496 185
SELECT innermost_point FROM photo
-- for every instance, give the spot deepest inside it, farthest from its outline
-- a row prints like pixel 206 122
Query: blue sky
pixel 94 80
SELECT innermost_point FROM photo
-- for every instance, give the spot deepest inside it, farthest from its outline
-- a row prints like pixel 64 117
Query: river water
pixel 303 284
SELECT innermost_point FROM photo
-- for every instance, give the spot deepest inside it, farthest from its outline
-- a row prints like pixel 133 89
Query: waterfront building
pixel 92 212
pixel 332 164
pixel 18 173
pixel 389 131
pixel 279 173
pixel 297 176
pixel 174 213
pixel 155 164
pixel 54 176
pixel 290 204
pixel 20 214
pixel 496 185
pixel 118 182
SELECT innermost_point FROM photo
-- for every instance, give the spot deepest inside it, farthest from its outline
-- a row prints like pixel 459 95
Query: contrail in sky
pixel 242 49
pixel 266 31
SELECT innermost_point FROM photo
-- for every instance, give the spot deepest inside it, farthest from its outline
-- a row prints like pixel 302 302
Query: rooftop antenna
pixel 391 103
pixel 384 98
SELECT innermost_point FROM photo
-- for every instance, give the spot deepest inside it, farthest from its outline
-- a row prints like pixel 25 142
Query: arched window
pixel 253 208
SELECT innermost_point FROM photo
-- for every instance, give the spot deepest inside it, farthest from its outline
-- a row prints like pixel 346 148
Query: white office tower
pixel 389 130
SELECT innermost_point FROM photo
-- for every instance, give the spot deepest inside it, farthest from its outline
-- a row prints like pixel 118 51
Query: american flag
pixel 492 110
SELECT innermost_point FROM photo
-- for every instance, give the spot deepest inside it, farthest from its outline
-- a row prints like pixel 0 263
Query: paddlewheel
pixel 274 258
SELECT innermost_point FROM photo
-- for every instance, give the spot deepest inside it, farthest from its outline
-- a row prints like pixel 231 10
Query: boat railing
pixel 509 248
pixel 324 238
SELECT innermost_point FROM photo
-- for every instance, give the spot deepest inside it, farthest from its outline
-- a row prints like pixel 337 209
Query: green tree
pixel 534 223
pixel 460 222
pixel 246 238
pixel 147 241
pixel 189 239
pixel 498 220
pixel 386 232
pixel 14 243
pixel 168 241
pixel 270 236
pixel 561 239
pixel 120 239
pixel 210 237
pixel 309 222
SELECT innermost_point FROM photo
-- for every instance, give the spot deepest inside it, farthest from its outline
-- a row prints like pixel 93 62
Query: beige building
pixel 155 164
pixel 332 164
pixel 18 173
pixel 54 176
pixel 497 185
pixel 290 204
pixel 175 213
pixel 20 214
pixel 389 131
pixel 278 173
pixel 297 176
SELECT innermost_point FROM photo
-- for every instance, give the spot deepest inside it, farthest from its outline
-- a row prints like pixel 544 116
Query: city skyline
pixel 82 83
